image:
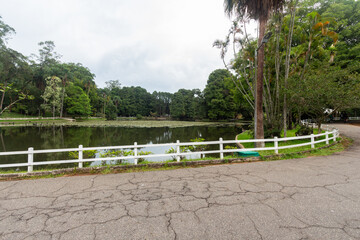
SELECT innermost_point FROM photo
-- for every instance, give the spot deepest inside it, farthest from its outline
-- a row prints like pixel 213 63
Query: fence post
pixel 30 159
pixel 327 137
pixel 276 145
pixel 177 151
pixel 335 133
pixel 312 141
pixel 80 156
pixel 221 148
pixel 135 153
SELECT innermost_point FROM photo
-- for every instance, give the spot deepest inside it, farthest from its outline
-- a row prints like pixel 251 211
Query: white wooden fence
pixel 329 136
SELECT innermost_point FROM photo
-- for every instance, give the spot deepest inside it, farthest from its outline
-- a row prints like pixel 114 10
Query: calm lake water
pixel 21 138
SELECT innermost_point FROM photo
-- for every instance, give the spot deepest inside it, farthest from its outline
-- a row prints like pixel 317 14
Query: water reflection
pixel 21 138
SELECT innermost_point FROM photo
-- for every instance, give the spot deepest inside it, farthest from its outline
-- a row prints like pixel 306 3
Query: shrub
pixel 86 154
pixel 141 153
pixel 172 150
pixel 197 148
pixel 113 153
pixel 304 130
pixel 272 132
pixel 230 147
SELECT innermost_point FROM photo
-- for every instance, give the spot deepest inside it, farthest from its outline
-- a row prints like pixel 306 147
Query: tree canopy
pixel 311 64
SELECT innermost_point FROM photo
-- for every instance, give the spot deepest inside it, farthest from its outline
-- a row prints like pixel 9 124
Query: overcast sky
pixel 161 45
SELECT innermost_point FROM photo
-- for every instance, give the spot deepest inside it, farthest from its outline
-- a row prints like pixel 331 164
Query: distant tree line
pixel 43 85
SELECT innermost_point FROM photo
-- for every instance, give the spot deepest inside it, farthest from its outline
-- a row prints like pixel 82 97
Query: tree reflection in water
pixel 21 138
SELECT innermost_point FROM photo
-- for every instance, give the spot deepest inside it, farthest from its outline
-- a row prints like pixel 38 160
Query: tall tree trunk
pixel 307 57
pixel 298 122
pixel 319 121
pixel 9 106
pixel 3 96
pixel 104 106
pixel 2 141
pixel 287 63
pixel 290 121
pixel 63 96
pixel 277 68
pixel 259 121
pixel 62 102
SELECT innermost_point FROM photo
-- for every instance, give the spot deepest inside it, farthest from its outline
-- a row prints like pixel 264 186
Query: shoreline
pixel 114 123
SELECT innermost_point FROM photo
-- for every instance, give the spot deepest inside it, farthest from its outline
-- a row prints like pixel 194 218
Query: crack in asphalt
pixel 300 198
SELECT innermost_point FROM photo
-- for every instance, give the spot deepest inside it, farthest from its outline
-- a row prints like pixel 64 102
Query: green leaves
pixel 187 104
pixel 5 32
pixel 219 98
pixel 77 102
pixel 52 95
pixel 18 95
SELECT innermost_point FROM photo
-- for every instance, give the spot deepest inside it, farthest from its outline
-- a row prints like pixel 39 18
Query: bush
pixel 272 132
pixel 304 130
pixel 115 153
pixel 196 148
pixel 141 153
pixel 139 116
pixel 86 154
pixel 173 150
pixel 230 147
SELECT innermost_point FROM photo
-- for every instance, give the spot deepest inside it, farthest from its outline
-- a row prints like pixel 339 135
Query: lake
pixel 21 138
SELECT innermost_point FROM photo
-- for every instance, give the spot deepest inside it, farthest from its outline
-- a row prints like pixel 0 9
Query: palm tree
pixel 258 10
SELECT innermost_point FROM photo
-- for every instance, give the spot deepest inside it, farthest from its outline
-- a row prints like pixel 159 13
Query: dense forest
pixel 43 85
pixel 311 64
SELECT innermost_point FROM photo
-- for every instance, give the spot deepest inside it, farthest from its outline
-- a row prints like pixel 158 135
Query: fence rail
pixel 329 136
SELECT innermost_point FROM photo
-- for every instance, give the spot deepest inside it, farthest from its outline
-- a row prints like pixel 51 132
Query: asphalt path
pixel 311 198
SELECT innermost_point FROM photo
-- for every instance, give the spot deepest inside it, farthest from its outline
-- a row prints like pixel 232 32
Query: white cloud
pixel 160 45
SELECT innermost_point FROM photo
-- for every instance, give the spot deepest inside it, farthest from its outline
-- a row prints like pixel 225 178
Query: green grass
pixel 339 147
pixel 14 115
pixel 102 122
pixel 21 121
pixel 290 133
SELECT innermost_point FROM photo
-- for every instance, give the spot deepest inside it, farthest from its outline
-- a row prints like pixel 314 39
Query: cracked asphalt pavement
pixel 311 198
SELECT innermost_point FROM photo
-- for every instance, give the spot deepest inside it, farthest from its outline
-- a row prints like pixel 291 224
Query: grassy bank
pixel 105 123
pixel 101 122
pixel 290 133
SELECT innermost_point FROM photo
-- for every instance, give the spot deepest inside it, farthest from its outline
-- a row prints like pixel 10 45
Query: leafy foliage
pixel 52 95
pixel 304 130
pixel 218 95
pixel 173 150
pixel 123 153
pixel 115 153
pixel 110 113
pixel 323 67
pixel 187 104
pixel 77 102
